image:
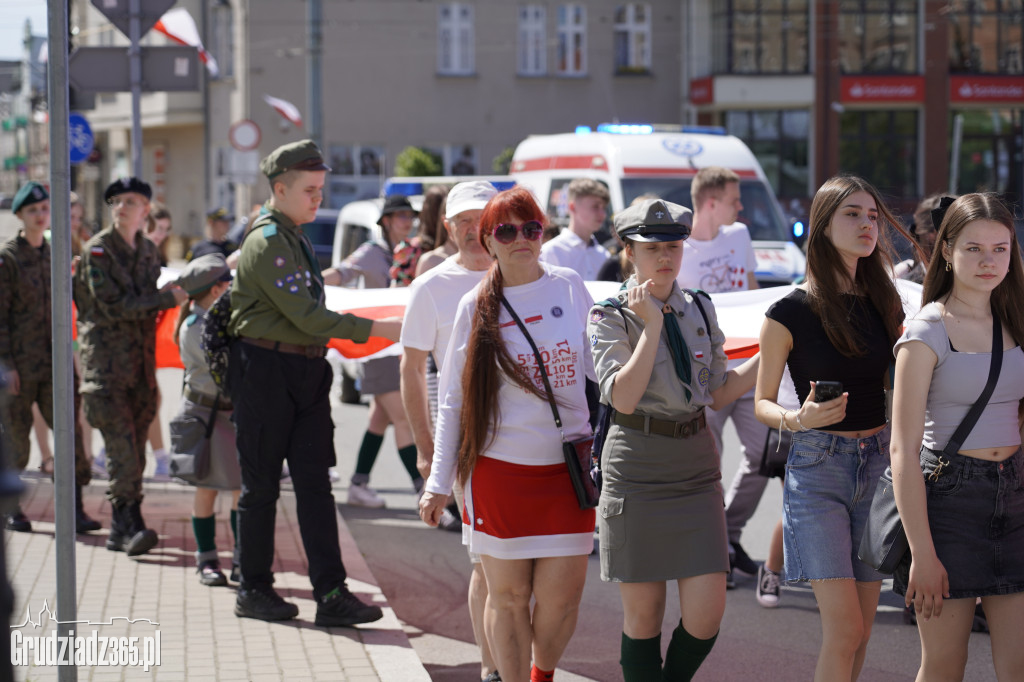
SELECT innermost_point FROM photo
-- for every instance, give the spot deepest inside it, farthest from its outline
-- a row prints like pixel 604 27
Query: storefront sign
pixel 882 89
pixel 986 89
pixel 702 90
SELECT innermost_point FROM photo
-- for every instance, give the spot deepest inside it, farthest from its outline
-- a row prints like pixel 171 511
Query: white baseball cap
pixel 468 196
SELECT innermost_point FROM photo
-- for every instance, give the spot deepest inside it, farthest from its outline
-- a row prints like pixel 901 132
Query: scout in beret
pixel 279 316
pixel 660 361
pixel 126 185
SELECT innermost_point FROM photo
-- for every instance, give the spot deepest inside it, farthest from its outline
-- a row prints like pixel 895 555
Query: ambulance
pixel 638 159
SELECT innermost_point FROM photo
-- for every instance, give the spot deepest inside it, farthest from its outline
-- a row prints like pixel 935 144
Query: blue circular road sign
pixel 80 135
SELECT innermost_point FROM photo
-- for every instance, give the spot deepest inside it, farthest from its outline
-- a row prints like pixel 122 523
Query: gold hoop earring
pixel 949 266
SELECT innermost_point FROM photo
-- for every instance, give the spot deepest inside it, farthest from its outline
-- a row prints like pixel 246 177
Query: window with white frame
pixel 633 38
pixel 455 39
pixel 572 39
pixel 532 49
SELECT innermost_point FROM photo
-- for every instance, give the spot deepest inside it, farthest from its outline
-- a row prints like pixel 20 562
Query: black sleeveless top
pixel 814 358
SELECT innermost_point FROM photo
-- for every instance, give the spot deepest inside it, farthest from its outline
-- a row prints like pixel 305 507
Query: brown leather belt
pixel 662 427
pixel 207 401
pixel 311 352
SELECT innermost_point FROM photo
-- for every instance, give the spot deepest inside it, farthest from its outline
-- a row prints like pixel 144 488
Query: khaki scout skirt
pixel 662 512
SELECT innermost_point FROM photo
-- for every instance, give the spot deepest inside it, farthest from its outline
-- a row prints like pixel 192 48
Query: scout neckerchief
pixel 676 345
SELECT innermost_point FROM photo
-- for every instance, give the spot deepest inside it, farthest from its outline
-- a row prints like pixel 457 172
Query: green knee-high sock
pixel 205 530
pixel 234 525
pixel 640 658
pixel 685 654
pixel 367 456
pixel 408 456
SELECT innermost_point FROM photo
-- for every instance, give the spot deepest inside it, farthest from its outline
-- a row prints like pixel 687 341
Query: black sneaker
pixel 211 575
pixel 493 677
pixel 236 573
pixel 342 608
pixel 263 603
pixel 740 561
pixel 17 521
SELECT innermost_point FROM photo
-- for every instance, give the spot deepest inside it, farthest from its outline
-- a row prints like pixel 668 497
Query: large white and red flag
pixel 178 25
pixel 287 110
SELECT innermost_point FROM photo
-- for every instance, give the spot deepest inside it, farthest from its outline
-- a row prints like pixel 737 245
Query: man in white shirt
pixel 719 257
pixel 429 317
pixel 576 248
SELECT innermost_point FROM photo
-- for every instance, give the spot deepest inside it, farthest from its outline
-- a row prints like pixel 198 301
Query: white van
pixel 638 159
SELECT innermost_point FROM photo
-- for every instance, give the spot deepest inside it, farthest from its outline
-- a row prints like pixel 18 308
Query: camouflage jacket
pixel 278 292
pixel 25 306
pixel 118 302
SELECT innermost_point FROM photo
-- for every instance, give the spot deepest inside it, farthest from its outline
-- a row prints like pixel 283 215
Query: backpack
pixel 605 412
pixel 216 341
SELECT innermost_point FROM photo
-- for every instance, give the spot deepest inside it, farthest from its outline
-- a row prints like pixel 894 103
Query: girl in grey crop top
pixel 958 380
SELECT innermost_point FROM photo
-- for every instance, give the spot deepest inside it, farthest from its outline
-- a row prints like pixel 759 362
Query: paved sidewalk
pixel 200 637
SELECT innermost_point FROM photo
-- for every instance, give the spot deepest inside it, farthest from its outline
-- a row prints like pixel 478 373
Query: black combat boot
pixel 118 528
pixel 139 539
pixel 83 522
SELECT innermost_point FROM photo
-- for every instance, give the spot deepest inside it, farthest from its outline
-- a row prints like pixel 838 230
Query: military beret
pixel 654 220
pixel 303 155
pixel 126 185
pixel 30 193
pixel 220 213
pixel 203 272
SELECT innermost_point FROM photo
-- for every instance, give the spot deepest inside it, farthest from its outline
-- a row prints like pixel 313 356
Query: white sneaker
pixel 768 587
pixel 362 495
pixel 162 472
pixel 333 475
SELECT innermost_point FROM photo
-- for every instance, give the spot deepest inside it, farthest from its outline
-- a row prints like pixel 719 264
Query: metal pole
pixel 135 73
pixel 954 160
pixel 204 8
pixel 314 79
pixel 60 286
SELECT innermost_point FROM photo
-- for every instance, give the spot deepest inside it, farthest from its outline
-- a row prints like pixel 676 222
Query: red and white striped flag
pixel 179 26
pixel 286 109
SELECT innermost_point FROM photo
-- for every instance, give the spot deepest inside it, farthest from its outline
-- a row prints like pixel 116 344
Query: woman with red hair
pixel 496 432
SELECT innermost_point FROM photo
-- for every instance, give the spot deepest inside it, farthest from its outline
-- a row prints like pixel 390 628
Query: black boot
pixel 139 539
pixel 118 528
pixel 83 522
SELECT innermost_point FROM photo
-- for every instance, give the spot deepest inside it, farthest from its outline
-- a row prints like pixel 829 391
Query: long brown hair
pixel 487 358
pixel 1008 297
pixel 827 276
pixel 432 232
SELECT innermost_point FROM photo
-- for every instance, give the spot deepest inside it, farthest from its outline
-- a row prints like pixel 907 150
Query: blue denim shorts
pixel 976 516
pixel 830 481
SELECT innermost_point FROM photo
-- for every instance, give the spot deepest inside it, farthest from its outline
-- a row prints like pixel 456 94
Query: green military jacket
pixel 118 302
pixel 278 292
pixel 25 304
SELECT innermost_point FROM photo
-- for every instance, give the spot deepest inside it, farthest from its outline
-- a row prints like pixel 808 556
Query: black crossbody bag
pixel 884 543
pixel 577 454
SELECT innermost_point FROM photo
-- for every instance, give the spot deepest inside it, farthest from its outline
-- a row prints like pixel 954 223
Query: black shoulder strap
pixel 962 431
pixel 697 293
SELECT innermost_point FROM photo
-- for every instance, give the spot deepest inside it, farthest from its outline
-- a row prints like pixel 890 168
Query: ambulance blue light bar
pixel 626 128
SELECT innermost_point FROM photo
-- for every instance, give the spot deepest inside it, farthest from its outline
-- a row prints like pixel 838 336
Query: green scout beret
pixel 30 193
pixel 203 272
pixel 303 155
pixel 654 221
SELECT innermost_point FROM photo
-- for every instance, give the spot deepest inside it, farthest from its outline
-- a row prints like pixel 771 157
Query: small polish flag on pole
pixel 179 26
pixel 287 110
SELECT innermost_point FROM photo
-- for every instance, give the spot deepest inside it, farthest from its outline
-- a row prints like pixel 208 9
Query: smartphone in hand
pixel 827 390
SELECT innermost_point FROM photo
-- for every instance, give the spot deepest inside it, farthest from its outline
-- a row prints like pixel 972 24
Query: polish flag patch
pixel 96 251
pixel 698 354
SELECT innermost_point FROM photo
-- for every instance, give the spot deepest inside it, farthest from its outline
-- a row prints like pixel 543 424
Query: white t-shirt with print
pixel 433 301
pixel 554 309
pixel 720 264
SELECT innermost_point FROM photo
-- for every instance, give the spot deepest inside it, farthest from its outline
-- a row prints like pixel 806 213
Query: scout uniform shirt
pixel 118 302
pixel 612 341
pixel 278 293
pixel 25 342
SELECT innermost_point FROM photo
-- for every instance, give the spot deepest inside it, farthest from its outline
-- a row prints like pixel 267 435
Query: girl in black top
pixel 838 326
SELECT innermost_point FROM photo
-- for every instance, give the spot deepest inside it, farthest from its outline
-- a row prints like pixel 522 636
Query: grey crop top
pixel 958 380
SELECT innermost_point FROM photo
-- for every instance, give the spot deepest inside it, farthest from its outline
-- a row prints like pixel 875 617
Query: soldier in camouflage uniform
pixel 280 380
pixel 26 345
pixel 118 302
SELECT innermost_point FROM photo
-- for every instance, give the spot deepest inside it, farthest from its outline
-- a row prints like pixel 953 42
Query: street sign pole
pixel 135 73
pixel 60 285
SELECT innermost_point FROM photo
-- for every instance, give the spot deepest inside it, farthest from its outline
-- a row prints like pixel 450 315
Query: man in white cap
pixel 429 316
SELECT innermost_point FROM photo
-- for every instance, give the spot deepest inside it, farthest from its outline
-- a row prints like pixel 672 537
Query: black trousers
pixel 283 412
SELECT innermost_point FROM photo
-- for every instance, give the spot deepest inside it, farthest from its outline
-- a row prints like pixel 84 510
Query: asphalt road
pixel 425 574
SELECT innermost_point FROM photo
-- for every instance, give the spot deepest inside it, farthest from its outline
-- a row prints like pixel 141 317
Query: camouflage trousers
pixel 41 393
pixel 123 417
